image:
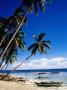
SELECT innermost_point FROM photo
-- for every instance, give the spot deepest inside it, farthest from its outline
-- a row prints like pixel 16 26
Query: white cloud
pixel 44 63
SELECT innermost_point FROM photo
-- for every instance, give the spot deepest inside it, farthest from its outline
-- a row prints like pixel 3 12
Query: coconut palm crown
pixel 31 5
pixel 40 45
pixel 11 54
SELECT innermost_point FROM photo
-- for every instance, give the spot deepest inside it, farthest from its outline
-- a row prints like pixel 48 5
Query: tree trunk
pixel 14 35
pixel 3 66
pixel 6 56
pixel 21 62
pixel 2 40
pixel 6 66
pixel 16 67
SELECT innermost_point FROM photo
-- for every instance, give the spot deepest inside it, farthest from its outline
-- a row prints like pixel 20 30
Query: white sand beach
pixel 10 85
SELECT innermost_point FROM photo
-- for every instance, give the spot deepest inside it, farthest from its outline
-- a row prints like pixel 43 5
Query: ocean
pixel 57 75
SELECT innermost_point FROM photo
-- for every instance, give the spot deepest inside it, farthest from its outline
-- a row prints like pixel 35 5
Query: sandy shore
pixel 8 85
pixel 15 83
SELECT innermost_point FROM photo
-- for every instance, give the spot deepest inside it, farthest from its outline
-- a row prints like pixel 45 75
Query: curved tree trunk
pixel 2 40
pixel 16 67
pixel 3 66
pixel 22 62
pixel 6 66
pixel 14 35
pixel 6 55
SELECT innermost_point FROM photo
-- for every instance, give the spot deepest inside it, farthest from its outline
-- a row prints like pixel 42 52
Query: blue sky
pixel 53 22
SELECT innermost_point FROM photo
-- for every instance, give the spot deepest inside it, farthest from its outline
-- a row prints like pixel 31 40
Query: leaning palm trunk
pixel 3 66
pixel 6 66
pixel 16 67
pixel 22 62
pixel 2 40
pixel 14 35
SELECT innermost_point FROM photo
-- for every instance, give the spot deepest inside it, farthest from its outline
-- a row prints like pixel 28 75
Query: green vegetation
pixel 40 45
pixel 12 34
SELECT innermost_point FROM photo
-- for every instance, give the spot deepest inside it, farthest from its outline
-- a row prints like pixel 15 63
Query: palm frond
pixel 34 50
pixel 19 10
pixel 42 5
pixel 46 45
pixel 47 41
pixel 32 46
pixel 40 45
pixel 41 36
pixel 33 5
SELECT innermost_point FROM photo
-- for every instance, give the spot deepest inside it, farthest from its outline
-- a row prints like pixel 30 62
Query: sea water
pixel 57 77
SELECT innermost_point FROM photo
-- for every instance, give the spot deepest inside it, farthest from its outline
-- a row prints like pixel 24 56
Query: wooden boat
pixel 48 84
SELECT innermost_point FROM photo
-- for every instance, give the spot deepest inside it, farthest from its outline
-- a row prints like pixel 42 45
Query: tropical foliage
pixel 12 35
pixel 40 44
pixel 11 54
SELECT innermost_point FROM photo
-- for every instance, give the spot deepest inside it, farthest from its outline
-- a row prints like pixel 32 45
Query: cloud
pixel 44 63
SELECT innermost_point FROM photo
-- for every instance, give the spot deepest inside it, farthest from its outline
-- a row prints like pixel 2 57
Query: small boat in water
pixel 54 72
pixel 42 73
pixel 42 77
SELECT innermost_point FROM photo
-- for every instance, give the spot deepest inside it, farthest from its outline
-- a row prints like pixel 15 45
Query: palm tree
pixel 7 36
pixel 11 54
pixel 28 5
pixel 40 45
pixel 7 24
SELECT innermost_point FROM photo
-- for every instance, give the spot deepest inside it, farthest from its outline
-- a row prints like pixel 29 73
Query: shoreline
pixel 15 83
pixel 8 85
